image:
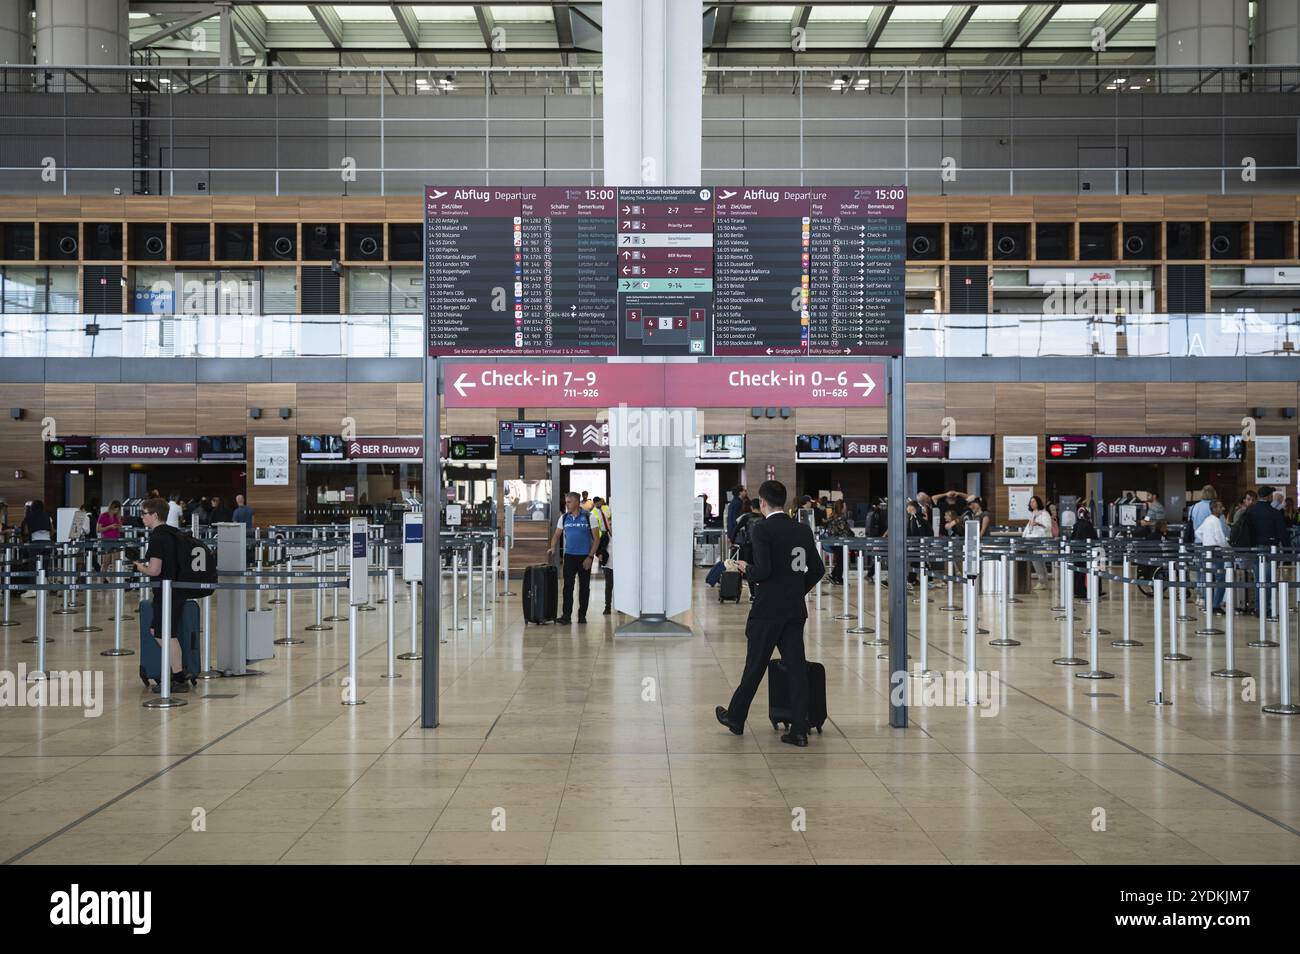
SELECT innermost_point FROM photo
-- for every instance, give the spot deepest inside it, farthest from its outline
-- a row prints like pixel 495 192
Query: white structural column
pixel 652 137
pixel 1277 31
pixel 15 33
pixel 82 33
pixel 1202 33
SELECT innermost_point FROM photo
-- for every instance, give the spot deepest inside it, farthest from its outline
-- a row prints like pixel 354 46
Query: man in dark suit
pixel 786 567
pixel 1266 526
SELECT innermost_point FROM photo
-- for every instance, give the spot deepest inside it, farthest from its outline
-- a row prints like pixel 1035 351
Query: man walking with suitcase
pixel 580 533
pixel 785 568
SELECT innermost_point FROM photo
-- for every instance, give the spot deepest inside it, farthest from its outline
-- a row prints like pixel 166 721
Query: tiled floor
pixel 564 745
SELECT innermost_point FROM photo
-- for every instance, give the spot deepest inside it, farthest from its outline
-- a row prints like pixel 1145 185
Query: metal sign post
pixel 897 540
pixel 432 591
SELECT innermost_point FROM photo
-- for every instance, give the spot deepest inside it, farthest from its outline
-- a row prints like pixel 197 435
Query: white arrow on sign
pixel 460 384
pixel 572 430
pixel 867 384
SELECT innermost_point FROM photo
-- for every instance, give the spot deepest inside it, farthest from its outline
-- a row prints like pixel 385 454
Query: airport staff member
pixel 580 533
pixel 786 567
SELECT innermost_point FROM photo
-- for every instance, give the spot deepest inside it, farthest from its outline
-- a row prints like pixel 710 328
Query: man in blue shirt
pixel 243 514
pixel 579 531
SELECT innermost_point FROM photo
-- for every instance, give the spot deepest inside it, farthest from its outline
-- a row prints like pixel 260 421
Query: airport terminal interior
pixel 378 304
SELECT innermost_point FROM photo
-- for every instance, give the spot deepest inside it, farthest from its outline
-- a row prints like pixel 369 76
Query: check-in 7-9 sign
pixel 729 384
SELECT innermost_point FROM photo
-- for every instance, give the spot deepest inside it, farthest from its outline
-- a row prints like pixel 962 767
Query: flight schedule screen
pixel 664 271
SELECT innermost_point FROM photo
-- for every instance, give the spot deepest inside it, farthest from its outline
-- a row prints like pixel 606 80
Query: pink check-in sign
pixel 727 384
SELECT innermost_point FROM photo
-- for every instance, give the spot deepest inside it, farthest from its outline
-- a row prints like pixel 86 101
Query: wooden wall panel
pixel 273 505
pixel 1121 408
pixel 21 447
pixel 925 407
pixel 819 420
pixel 1070 408
pixel 866 420
pixel 970 406
pixel 1171 408
pixel 222 409
pixel 1219 407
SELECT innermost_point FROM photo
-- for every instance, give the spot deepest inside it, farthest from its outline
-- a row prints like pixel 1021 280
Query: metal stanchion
pixel 879 623
pixel 390 591
pixel 119 598
pixel 1094 593
pixel 862 626
pixel 320 626
pixel 469 587
pixel 1283 707
pixel 1174 655
pixel 278 549
pixel 40 638
pixel 455 592
pixel 352 697
pixel 288 639
pixel 1207 577
pixel 1067 632
pixel 1158 619
pixel 844 562
pixel 949 606
pixel 1127 641
pixel 1183 615
pixel 818 603
pixel 923 670
pixel 1094 650
pixel 1010 583
pixel 1272 579
pixel 9 569
pixel 505 564
pixel 415 652
pixel 968 609
pixel 257 579
pixel 1004 608
pixel 88 626
pixel 1062 590
pixel 165 698
pixel 1230 670
pixel 483 582
pixel 334 616
pixel 208 672
pixel 65 572
pixel 1261 602
pixel 119 608
pixel 972 627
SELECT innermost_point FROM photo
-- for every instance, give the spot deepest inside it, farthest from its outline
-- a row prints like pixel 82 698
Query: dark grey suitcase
pixel 541 593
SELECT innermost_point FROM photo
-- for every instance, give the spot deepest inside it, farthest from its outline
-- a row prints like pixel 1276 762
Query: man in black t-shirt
pixel 161 563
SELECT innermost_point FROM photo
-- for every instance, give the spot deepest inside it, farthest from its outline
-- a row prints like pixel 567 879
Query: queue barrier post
pixel 844 562
pixel 88 626
pixel 1284 706
pixel 1158 617
pixel 336 557
pixel 390 590
pixel 1126 641
pixel 1174 655
pixel 1261 602
pixel 878 641
pixel 923 667
pixel 119 600
pixel 351 697
pixel 1230 670
pixel 319 625
pixel 415 651
pixel 1067 632
pixel 1094 670
pixel 1004 608
pixel 40 639
pixel 455 591
pixel 861 626
pixel 9 565
pixel 165 698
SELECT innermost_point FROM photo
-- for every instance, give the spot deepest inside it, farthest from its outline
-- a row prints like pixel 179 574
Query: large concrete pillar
pixel 82 33
pixel 1277 31
pixel 1202 32
pixel 652 61
pixel 15 32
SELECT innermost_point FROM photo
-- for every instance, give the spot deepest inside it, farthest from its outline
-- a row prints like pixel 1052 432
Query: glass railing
pixel 928 335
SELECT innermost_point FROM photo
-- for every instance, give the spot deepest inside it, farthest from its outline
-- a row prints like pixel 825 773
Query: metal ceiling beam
pixel 207 13
pixel 408 24
pixel 486 24
pixel 1032 20
pixel 563 15
pixel 250 24
pixel 876 23
pixel 956 21
pixel 1117 16
pixel 721 25
pixel 799 18
pixel 330 24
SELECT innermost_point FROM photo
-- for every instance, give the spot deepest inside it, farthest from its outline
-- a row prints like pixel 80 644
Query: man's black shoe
pixel 606 612
pixel 791 739
pixel 564 621
pixel 721 713
pixel 582 619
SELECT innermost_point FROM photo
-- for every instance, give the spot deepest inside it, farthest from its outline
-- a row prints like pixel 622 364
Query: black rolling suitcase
pixel 150 654
pixel 729 586
pixel 778 695
pixel 541 593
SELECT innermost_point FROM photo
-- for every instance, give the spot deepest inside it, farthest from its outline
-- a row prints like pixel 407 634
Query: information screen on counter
pixel 664 271
pixel 530 437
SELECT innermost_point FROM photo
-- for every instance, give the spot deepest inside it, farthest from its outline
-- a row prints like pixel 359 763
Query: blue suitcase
pixel 189 640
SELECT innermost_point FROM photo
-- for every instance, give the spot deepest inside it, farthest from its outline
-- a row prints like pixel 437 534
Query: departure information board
pixel 664 271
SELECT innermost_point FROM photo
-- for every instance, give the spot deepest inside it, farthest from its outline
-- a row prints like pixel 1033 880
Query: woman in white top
pixel 1038 527
pixel 1212 532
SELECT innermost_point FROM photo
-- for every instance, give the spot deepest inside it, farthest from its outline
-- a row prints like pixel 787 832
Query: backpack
pixel 1189 532
pixel 1240 535
pixel 195 563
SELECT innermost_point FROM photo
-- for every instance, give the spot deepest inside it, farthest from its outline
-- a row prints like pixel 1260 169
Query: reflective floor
pixel 562 744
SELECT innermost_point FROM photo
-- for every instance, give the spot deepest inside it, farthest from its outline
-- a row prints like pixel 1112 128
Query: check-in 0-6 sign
pixel 729 384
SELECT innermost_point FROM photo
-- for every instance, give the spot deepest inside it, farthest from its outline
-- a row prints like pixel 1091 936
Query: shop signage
pixel 584 437
pixel 130 449
pixel 1173 448
pixel 385 448
pixel 872 447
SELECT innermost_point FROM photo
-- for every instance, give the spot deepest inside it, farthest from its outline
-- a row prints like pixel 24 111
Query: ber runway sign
pixel 730 384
